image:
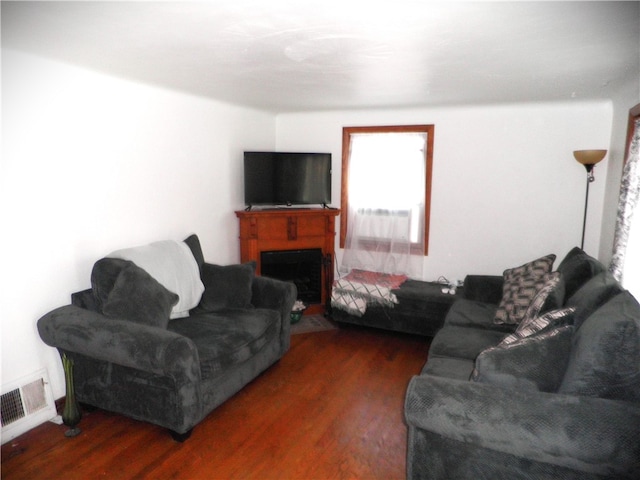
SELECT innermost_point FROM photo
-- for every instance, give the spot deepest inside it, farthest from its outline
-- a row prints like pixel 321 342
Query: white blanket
pixel 172 264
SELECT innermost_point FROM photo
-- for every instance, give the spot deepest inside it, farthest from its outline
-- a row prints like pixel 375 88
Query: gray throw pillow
pixel 521 284
pixel 577 268
pixel 138 297
pixel 104 274
pixel 537 362
pixel 605 358
pixel 592 295
pixel 226 286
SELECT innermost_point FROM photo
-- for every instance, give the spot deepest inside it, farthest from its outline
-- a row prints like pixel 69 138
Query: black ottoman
pixel 420 310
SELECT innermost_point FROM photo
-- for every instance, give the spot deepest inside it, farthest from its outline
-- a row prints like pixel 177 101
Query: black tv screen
pixel 285 178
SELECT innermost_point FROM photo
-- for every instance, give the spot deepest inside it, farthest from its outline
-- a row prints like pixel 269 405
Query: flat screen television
pixel 286 178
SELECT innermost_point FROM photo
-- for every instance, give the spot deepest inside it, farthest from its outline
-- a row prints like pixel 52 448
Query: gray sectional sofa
pixel 134 354
pixel 550 392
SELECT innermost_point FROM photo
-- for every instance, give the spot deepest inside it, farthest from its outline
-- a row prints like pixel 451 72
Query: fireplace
pixel 269 236
pixel 302 267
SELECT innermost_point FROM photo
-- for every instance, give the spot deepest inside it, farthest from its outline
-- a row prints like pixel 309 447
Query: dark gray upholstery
pixel 228 286
pixel 466 430
pixel 456 342
pixel 475 314
pixel 577 268
pixel 172 374
pixel 138 297
pixel 484 288
pixel 537 362
pixel 594 293
pixel 605 358
pixel 562 402
pixel 442 366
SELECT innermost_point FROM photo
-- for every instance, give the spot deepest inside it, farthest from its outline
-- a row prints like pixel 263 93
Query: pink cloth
pixel 375 278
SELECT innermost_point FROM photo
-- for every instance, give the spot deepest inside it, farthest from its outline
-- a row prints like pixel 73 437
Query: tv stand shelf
pixel 283 229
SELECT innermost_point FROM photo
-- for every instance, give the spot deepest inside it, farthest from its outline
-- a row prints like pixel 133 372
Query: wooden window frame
pixel 634 114
pixel 346 142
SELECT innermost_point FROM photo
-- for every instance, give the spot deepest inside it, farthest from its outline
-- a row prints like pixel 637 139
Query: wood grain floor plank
pixel 332 408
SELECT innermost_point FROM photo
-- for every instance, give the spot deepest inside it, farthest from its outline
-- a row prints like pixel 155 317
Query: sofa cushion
pixel 605 358
pixel 483 288
pixel 456 368
pixel 549 297
pixel 536 362
pixel 463 342
pixel 551 319
pixel 193 242
pixel 593 294
pixel 226 286
pixel 138 297
pixel 577 268
pixel 470 313
pixel 521 284
pixel 227 337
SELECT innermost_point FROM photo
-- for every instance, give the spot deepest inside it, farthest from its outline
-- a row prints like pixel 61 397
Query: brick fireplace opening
pixel 302 267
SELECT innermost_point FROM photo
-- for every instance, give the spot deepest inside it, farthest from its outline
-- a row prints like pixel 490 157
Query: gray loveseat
pixel 552 394
pixel 130 357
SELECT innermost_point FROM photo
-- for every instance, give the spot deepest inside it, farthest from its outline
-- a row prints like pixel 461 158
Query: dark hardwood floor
pixel 332 408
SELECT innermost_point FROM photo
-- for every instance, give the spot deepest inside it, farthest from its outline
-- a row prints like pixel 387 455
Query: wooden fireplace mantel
pixel 285 229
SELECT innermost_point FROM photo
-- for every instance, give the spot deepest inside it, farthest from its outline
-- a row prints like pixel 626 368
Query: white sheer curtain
pixel 625 264
pixel 385 230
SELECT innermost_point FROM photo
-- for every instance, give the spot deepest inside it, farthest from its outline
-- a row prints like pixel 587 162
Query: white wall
pixel 92 163
pixel 506 187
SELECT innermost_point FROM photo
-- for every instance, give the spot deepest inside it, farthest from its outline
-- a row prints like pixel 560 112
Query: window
pixel 626 248
pixel 386 188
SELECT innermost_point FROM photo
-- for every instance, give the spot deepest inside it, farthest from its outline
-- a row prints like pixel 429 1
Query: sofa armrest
pixel 122 342
pixel 483 288
pixel 276 295
pixel 582 433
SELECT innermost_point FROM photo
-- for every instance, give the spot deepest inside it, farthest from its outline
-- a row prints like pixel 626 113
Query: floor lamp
pixel 588 158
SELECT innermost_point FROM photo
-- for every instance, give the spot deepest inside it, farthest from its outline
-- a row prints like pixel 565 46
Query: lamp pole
pixel 588 158
pixel 590 179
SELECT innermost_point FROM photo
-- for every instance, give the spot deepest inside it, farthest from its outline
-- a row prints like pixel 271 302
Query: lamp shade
pixel 589 157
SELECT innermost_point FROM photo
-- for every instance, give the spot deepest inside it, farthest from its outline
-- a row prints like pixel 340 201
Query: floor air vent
pixel 26 403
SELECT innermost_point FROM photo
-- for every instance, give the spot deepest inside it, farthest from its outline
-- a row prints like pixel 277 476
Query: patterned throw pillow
pixel 549 297
pixel 521 284
pixel 539 266
pixel 551 319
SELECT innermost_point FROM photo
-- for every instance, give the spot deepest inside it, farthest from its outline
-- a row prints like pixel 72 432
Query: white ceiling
pixel 296 55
